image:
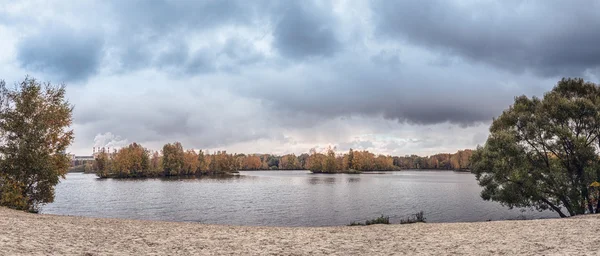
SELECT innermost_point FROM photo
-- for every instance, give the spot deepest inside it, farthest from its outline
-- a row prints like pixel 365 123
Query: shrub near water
pixel 378 220
pixel 417 217
pixel 414 218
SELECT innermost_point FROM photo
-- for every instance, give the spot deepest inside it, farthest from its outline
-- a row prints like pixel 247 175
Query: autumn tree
pixel 252 162
pixel 203 162
pixel 383 163
pixel 101 165
pixel 190 162
pixel 303 160
pixel 543 153
pixel 289 162
pixel 173 159
pixel 315 161
pixel 363 160
pixel 349 159
pixel 464 157
pixel 223 163
pixel 330 165
pixel 155 163
pixel 131 161
pixel 34 122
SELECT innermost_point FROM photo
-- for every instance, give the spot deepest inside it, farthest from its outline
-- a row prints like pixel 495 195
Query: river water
pixel 284 198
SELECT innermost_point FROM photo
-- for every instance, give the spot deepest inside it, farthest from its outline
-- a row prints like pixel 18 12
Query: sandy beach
pixel 36 234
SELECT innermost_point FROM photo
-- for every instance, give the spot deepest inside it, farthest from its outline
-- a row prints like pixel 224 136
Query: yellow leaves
pixel 595 184
pixel 11 194
pixel 289 162
pixel 252 162
pixel 191 162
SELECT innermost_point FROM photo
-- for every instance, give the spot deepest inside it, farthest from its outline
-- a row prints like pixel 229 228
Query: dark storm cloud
pixel 394 105
pixel 135 32
pixel 143 27
pixel 354 86
pixel 550 38
pixel 66 54
pixel 300 29
pixel 166 34
pixel 305 32
pixel 160 17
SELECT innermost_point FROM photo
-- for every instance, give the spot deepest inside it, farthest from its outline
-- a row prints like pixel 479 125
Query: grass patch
pixel 378 220
pixel 417 217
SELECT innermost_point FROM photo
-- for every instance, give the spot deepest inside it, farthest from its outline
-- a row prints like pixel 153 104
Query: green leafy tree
pixel 34 122
pixel 543 153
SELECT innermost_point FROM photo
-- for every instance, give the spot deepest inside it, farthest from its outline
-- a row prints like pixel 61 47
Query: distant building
pixel 79 160
pixel 96 151
pixel 84 158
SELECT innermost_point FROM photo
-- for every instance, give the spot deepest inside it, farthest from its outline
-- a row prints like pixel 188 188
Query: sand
pixel 37 234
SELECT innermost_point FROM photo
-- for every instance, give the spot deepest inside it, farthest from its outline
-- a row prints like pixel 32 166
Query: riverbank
pixel 28 234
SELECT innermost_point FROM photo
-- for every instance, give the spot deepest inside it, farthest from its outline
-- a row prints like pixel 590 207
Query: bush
pixel 417 217
pixel 379 220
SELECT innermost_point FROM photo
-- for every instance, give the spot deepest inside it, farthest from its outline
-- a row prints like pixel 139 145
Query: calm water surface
pixel 283 198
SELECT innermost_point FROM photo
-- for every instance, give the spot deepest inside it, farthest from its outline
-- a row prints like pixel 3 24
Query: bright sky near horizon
pixel 392 77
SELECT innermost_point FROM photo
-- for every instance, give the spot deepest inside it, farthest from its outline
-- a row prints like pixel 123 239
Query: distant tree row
pixel 456 161
pixel 358 161
pixel 137 161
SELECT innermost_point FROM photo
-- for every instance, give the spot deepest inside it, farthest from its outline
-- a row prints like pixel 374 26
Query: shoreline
pixel 25 234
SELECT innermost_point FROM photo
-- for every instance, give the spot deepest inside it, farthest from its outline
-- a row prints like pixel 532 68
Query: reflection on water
pixel 224 178
pixel 353 179
pixel 282 198
pixel 315 180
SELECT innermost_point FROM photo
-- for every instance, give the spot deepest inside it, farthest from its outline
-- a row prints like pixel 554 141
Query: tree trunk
pixel 567 205
pixel 555 208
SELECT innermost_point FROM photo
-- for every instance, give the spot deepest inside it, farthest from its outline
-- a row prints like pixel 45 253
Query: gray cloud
pixel 355 145
pixel 305 32
pixel 162 17
pixel 353 86
pixel 550 38
pixel 143 27
pixel 198 117
pixel 62 53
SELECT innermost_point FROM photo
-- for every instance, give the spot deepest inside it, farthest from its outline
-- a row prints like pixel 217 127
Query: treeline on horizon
pixel 359 161
pixel 173 160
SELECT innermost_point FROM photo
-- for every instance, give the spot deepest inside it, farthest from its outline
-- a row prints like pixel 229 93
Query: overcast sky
pixel 392 77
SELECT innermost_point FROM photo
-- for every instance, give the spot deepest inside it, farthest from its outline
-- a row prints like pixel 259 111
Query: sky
pixel 391 77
